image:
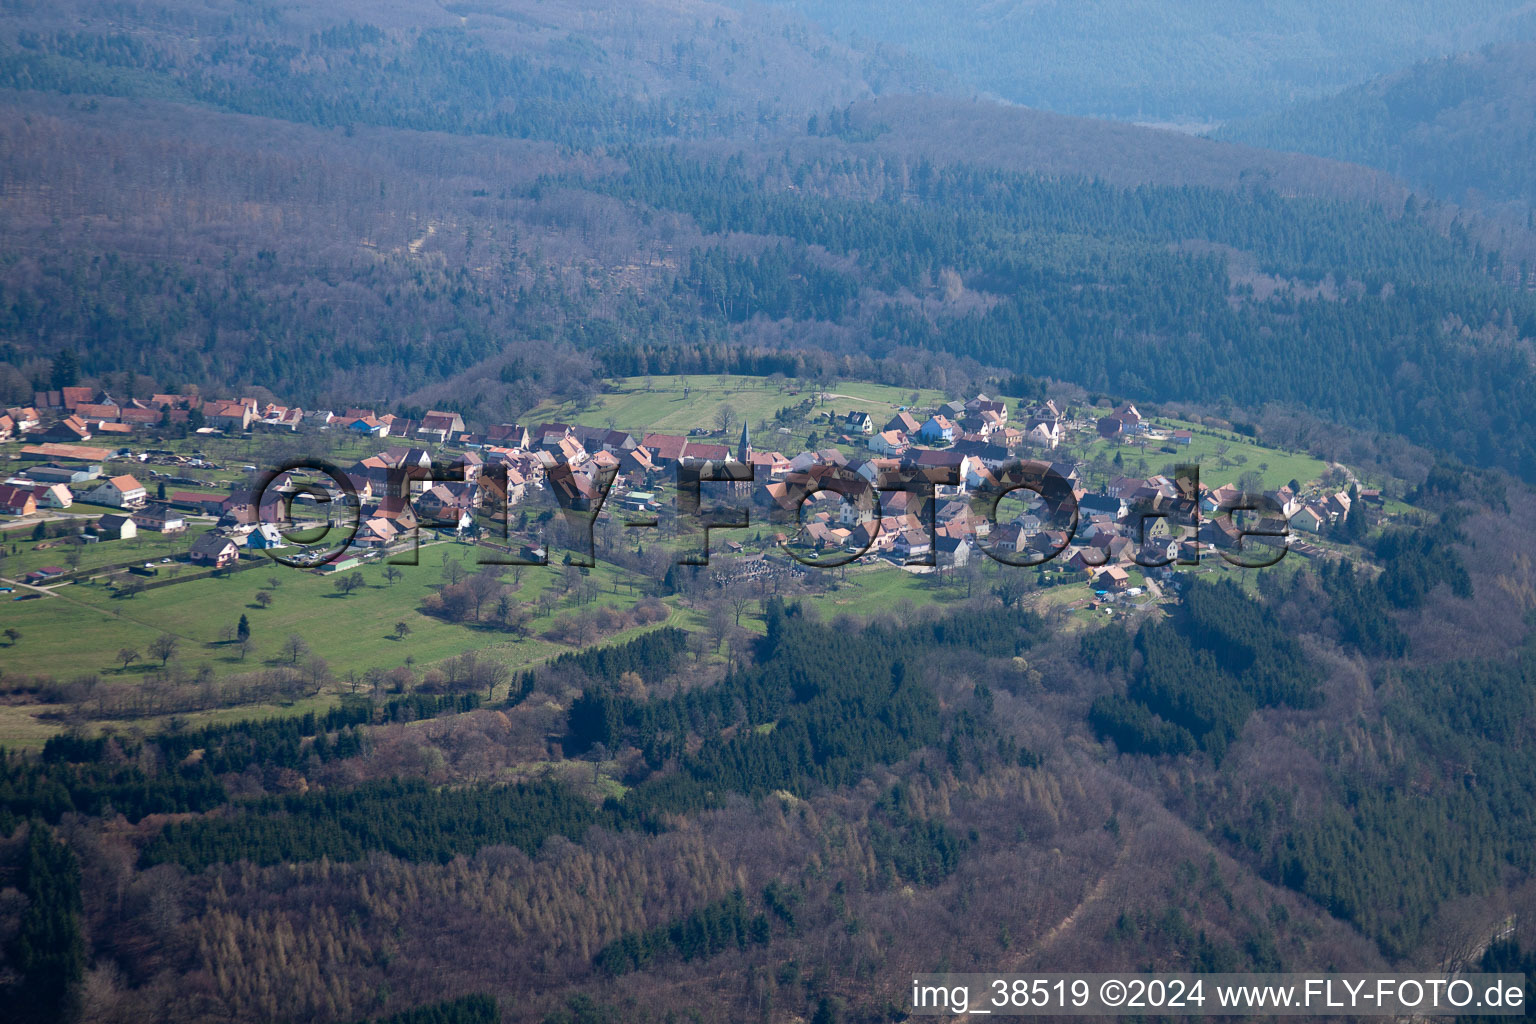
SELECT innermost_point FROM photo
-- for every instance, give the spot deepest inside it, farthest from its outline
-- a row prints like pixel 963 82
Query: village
pixel 923 489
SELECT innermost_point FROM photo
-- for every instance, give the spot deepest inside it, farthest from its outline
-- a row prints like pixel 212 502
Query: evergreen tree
pixel 65 370
pixel 48 950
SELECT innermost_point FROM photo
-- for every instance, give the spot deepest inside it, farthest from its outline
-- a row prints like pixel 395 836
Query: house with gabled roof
pixel 440 425
pixel 1113 579
pixel 53 495
pixel 228 415
pixel 17 501
pixel 665 449
pixel 937 428
pixel 1309 520
pixel 119 492
pixel 889 443
pixel 114 527
pixel 214 549
pixel 75 396
pixel 70 428
pixel 160 518
pixel 507 435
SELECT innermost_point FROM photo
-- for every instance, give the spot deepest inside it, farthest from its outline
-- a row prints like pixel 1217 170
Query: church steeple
pixel 744 449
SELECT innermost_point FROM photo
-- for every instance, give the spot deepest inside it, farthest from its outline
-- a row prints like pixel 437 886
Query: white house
pixel 888 442
pixel 860 421
pixel 119 492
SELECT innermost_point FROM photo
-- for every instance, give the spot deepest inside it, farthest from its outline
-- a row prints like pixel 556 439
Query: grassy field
pixel 1222 457
pixel 30 554
pixel 79 629
pixel 679 404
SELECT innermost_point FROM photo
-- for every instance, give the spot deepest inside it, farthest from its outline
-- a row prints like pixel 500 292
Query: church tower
pixel 744 456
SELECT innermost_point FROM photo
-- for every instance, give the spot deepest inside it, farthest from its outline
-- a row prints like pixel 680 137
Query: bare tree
pixel 319 672
pixel 725 417
pixel 719 624
pixel 263 598
pixel 163 646
pixel 294 648
pixel 740 599
pixel 483 586
pixel 127 656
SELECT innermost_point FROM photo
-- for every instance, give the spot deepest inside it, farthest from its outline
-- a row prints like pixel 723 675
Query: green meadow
pixel 678 404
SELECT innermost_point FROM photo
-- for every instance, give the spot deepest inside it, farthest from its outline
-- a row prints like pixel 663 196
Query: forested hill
pixel 579 74
pixel 1463 127
pixel 483 211
pixel 1171 60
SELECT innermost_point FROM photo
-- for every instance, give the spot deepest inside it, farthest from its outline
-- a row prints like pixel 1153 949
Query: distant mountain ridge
pixel 1463 127
pixel 1190 61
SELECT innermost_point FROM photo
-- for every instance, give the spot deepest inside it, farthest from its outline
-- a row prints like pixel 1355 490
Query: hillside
pixel 576 72
pixel 1462 128
pixel 1186 61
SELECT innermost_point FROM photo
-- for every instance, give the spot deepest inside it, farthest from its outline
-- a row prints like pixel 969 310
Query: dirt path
pixel 1093 895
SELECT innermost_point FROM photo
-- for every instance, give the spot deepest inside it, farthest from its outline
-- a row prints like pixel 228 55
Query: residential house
pixel 265 537
pixel 1338 505
pixel 447 505
pixel 115 527
pixel 70 428
pixel 160 518
pixel 53 495
pixel 981 405
pixel 912 545
pixel 666 449
pixel 636 464
pixel 771 465
pixel 905 422
pixel 368 426
pixel 440 426
pixel 119 492
pixel 135 418
pixel 1309 520
pixel 17 501
pixel 213 549
pixel 698 452
pixel 26 418
pixel 507 435
pixel 375 533
pixel 1113 579
pixel 954 548
pixel 1110 427
pixel 937 429
pixel 860 421
pixel 227 415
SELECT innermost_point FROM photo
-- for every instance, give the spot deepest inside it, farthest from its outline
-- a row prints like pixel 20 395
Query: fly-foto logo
pixel 1158 529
